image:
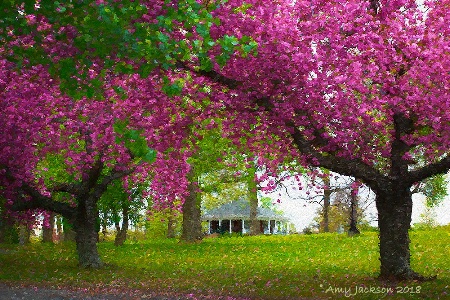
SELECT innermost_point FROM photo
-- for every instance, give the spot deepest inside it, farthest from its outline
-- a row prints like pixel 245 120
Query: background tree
pixel 48 227
pixel 163 223
pixel 8 228
pixel 120 207
pixel 210 158
pixel 341 199
pixel 354 215
pixel 435 190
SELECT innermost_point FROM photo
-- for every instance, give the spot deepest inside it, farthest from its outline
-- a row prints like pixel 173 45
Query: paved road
pixel 34 293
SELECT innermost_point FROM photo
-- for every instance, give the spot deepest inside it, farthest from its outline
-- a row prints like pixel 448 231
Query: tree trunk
pixel 171 227
pixel 24 234
pixel 9 233
pixel 326 204
pixel 8 229
pixel 252 192
pixel 394 206
pixel 104 225
pixel 121 235
pixel 86 234
pixel 47 232
pixel 353 230
pixel 59 230
pixel 68 232
pixel 192 225
pixel 3 230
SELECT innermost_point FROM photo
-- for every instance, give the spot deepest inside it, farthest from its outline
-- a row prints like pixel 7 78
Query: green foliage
pixel 134 141
pixel 53 170
pixel 338 216
pixel 116 198
pixel 435 189
pixel 266 202
pixel 218 166
pixel 173 89
pixel 260 267
pixel 115 33
pixel 427 219
pixel 156 226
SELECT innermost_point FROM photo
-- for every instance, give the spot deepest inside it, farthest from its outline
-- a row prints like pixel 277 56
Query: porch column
pixel 209 226
pixel 230 227
pixel 243 226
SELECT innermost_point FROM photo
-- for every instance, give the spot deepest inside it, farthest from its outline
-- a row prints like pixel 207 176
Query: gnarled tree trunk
pixel 86 234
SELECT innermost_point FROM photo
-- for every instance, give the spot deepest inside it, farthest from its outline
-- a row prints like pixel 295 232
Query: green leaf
pixel 174 89
pixel 150 156
pixel 202 30
pixel 222 59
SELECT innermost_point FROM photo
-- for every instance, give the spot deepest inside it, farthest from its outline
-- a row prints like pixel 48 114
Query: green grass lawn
pixel 317 266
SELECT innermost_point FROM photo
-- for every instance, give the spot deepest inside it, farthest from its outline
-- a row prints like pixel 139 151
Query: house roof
pixel 240 209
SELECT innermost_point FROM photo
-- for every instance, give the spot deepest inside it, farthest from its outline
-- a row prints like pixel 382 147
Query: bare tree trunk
pixel 252 192
pixel 104 225
pixel 24 234
pixel 121 235
pixel 47 232
pixel 171 227
pixel 59 229
pixel 353 229
pixel 68 232
pixel 192 226
pixel 326 204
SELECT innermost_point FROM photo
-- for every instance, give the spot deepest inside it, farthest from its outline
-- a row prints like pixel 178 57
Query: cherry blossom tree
pixel 96 142
pixel 358 87
pixel 90 83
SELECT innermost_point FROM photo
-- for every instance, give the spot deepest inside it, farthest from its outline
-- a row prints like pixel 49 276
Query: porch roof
pixel 240 210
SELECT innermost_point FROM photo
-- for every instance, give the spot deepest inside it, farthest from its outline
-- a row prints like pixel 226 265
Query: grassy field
pixel 321 266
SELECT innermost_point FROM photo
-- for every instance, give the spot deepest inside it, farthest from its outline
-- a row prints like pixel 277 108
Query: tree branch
pixel 350 167
pixel 74 188
pixel 90 179
pixel 213 75
pixel 115 174
pixel 440 167
pixel 43 202
pixel 375 6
